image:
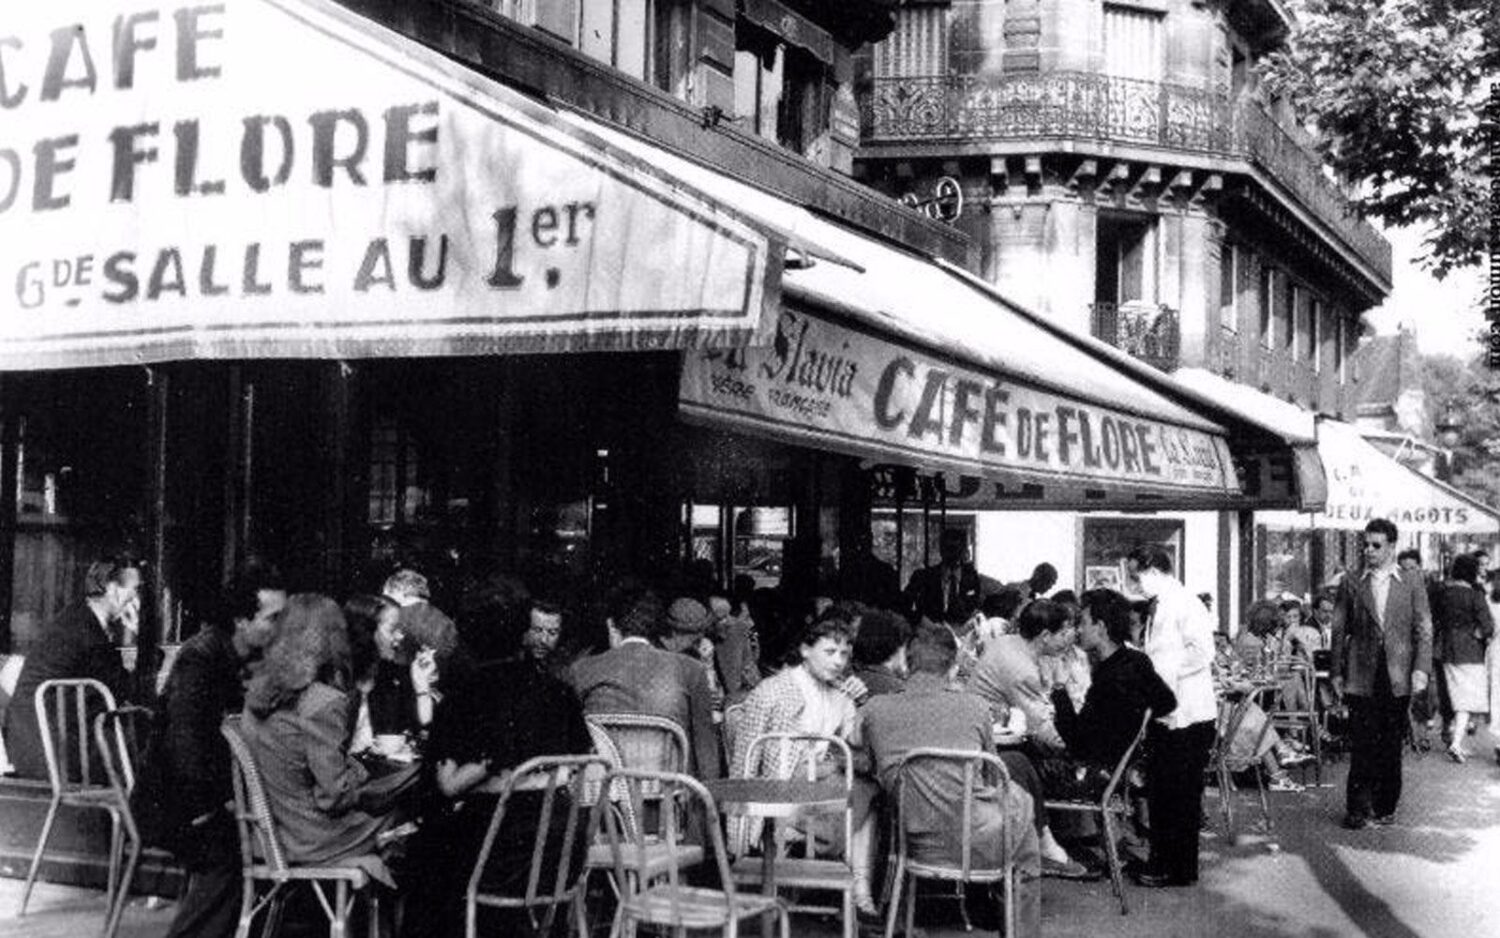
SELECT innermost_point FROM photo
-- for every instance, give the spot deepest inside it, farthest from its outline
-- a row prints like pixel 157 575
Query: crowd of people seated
pixel 384 726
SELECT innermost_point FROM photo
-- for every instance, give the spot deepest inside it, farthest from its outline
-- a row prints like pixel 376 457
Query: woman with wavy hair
pixel 296 724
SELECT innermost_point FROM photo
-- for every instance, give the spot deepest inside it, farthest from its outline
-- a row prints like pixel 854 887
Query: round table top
pixel 774 797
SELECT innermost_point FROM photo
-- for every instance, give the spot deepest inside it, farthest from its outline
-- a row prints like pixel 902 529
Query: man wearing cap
pixel 635 676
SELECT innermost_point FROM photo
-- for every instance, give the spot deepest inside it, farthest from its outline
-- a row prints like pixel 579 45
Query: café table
pixel 773 799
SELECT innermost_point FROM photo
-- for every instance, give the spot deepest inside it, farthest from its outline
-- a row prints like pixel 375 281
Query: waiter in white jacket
pixel 1179 640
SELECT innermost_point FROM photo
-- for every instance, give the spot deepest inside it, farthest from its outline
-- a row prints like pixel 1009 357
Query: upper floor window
pixel 918 46
pixel 780 91
pixel 1286 305
pixel 1266 298
pixel 646 39
pixel 1229 262
pixel 1315 334
pixel 1340 350
pixel 1133 45
pixel 1125 268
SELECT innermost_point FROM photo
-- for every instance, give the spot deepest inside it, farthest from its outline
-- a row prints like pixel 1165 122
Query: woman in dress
pixel 1463 626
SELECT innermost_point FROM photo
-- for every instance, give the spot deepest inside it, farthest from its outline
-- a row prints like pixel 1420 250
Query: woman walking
pixel 1463 625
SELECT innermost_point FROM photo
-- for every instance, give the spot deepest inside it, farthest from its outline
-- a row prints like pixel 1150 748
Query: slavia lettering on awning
pixel 848 389
pixel 280 177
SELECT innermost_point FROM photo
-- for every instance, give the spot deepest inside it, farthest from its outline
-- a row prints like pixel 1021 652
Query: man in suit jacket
pixel 635 676
pixel 947 591
pixel 1382 654
pixel 76 644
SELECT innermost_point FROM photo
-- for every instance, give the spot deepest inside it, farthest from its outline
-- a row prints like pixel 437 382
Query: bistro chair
pixel 638 741
pixel 1224 763
pixel 262 859
pixel 972 767
pixel 562 782
pixel 809 871
pixel 115 735
pixel 63 712
pixel 1111 807
pixel 1304 720
pixel 668 903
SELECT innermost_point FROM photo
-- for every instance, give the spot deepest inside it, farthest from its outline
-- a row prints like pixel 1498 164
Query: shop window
pixel 899 539
pixel 1229 316
pixel 1285 569
pixel 779 90
pixel 918 46
pixel 396 496
pixel 740 541
pixel 1108 541
pixel 1133 42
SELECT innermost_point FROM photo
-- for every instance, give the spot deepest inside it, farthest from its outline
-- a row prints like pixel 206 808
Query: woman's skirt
pixel 1468 687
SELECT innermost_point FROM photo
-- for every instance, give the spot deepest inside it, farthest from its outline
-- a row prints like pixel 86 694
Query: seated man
pixel 1124 685
pixel 1008 675
pixel 635 676
pixel 927 714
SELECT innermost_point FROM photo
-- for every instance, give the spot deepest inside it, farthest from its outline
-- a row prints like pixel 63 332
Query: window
pixel 779 90
pixel 1339 358
pixel 1286 304
pixel 1125 269
pixel 1229 316
pixel 1132 43
pixel 614 32
pixel 395 495
pixel 1267 301
pixel 918 46
pixel 1315 334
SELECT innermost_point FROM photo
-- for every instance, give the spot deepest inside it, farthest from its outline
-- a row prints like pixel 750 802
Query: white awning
pixel 1364 484
pixel 286 179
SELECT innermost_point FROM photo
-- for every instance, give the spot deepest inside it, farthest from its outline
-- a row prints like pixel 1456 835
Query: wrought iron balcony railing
pixel 1090 106
pixel 1146 331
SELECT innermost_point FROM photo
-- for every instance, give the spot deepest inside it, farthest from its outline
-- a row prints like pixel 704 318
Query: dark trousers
pixel 1377 728
pixel 211 906
pixel 1174 794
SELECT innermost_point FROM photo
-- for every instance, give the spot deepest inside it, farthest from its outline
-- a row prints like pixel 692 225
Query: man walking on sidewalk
pixel 1382 654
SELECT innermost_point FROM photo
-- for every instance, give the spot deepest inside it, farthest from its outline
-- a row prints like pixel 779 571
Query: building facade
pixel 1120 171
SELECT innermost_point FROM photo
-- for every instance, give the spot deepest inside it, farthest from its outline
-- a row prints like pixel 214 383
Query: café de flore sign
pixel 281 178
pixel 832 386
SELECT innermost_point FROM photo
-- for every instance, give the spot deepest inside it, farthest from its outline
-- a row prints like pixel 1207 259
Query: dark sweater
pixel 1123 686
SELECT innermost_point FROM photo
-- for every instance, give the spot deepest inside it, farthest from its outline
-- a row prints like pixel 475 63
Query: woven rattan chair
pixel 1111 807
pixel 263 861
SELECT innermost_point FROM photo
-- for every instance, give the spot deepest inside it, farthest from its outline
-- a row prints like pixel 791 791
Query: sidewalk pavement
pixel 1435 874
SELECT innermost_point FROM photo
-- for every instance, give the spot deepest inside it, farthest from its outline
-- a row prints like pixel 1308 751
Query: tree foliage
pixel 1394 91
pixel 1468 392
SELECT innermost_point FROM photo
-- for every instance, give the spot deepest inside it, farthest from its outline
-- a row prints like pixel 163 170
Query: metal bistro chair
pixel 668 903
pixel 809 872
pixel 1303 720
pixel 262 859
pixel 1224 763
pixel 1112 804
pixel 562 782
pixel 63 711
pixel 115 735
pixel 638 741
pixel 971 766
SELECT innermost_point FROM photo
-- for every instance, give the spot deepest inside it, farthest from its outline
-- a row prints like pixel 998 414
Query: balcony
pixel 1115 112
pixel 1147 331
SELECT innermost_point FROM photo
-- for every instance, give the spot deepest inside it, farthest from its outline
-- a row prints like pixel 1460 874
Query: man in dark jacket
pixel 947 591
pixel 1124 684
pixel 77 644
pixel 205 684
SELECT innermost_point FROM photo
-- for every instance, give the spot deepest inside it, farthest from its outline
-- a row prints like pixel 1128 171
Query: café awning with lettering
pixel 285 179
pixel 1365 484
pixel 901 359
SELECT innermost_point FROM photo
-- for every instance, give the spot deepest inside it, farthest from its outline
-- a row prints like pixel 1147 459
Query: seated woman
pixel 395 688
pixel 500 712
pixel 296 724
